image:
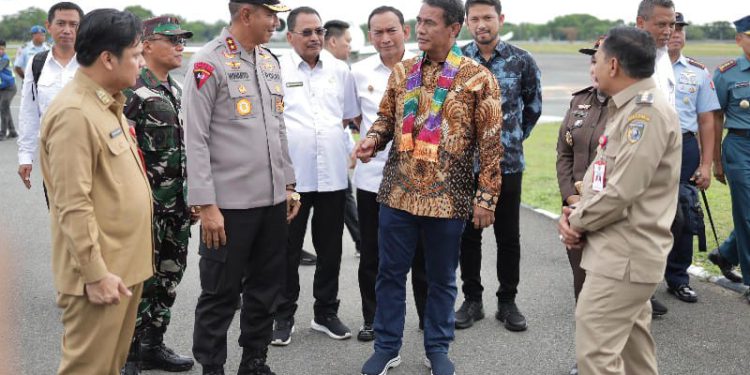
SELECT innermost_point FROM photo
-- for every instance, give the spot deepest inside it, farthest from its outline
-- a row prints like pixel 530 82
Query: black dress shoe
pixel 657 308
pixel 307 259
pixel 470 312
pixel 213 370
pixel 508 313
pixel 130 368
pixel 13 135
pixel 366 333
pixel 684 293
pixel 253 362
pixel 725 267
pixel 156 355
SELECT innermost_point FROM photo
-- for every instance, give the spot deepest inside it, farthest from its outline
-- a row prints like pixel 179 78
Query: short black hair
pixel 453 10
pixel 634 49
pixel 64 5
pixel 494 3
pixel 291 19
pixel 646 7
pixel 385 9
pixel 2 43
pixel 106 30
pixel 335 28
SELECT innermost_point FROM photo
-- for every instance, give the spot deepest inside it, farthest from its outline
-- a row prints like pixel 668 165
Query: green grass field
pixel 702 49
pixel 540 187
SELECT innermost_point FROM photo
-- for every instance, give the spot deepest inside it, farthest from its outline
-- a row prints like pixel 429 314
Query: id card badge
pixel 600 167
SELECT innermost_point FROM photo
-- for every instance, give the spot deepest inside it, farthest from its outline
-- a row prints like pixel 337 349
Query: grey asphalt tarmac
pixel 705 338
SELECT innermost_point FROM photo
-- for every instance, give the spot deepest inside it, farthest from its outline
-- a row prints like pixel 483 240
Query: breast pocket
pixel 243 98
pixel 117 154
pixel 741 93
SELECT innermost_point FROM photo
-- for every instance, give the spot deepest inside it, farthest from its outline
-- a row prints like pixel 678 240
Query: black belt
pixel 688 135
pixel 741 132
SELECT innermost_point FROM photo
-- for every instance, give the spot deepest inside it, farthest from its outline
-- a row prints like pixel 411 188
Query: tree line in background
pixel 570 27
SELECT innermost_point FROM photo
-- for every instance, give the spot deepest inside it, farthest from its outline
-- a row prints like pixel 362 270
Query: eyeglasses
pixel 174 40
pixel 321 31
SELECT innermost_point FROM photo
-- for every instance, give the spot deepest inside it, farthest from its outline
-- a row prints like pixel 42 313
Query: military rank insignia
pixel 279 105
pixel 234 64
pixel 243 107
pixel 202 72
pixel 231 45
pixel 569 138
pixel 242 89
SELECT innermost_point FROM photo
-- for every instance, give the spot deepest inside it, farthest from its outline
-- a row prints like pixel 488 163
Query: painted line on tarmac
pixel 697 272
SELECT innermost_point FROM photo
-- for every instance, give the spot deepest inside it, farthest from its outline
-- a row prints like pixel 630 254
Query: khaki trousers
pixel 613 327
pixel 96 338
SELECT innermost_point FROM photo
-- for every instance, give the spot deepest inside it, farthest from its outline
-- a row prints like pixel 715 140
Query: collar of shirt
pixel 105 100
pixel 682 60
pixel 743 63
pixel 623 97
pixel 302 64
pixel 501 50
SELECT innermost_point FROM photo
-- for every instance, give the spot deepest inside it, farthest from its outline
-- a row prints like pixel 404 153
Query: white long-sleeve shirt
pixel 664 75
pixel 53 78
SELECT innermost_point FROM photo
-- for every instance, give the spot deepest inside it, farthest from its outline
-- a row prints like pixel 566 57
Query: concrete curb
pixel 697 272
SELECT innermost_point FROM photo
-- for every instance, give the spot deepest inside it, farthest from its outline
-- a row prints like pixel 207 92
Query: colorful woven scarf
pixel 428 139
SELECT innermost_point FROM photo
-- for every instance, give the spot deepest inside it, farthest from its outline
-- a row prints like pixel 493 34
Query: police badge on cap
pixel 274 5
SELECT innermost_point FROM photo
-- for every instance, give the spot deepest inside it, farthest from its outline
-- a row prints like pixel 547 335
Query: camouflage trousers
pixel 171 234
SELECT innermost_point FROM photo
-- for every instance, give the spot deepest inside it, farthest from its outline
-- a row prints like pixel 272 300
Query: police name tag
pixel 115 133
pixel 599 170
pixel 294 84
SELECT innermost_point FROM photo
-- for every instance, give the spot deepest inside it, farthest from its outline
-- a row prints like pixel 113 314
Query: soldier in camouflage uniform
pixel 153 108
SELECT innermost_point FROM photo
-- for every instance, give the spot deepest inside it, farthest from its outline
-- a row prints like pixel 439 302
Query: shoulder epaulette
pixel 727 65
pixel 266 49
pixel 645 98
pixel 584 91
pixel 695 62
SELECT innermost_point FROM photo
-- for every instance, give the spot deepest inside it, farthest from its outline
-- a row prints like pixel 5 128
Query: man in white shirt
pixel 388 33
pixel 657 17
pixel 59 68
pixel 319 96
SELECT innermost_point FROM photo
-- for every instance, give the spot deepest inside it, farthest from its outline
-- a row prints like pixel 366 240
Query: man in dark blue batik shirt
pixel 521 92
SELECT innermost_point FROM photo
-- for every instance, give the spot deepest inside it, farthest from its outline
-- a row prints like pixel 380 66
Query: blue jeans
pixel 399 232
pixel 736 160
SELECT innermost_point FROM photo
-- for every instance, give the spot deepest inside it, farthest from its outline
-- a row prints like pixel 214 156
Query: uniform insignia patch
pixel 229 55
pixel 202 72
pixel 645 97
pixel 115 133
pixel 234 64
pixel 686 100
pixel 277 88
pixel 727 65
pixel 578 123
pixel 635 131
pixel 569 138
pixel 238 76
pixel 231 45
pixel 242 89
pixel 103 96
pixel 695 63
pixel 279 105
pixel 294 84
pixel 584 107
pixel 268 66
pixel 243 107
pixel 639 116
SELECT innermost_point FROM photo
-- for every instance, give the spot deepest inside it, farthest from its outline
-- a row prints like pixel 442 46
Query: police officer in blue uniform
pixel 732 81
pixel 695 102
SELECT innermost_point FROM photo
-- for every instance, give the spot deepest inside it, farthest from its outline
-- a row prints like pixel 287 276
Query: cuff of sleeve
pixel 24 158
pixel 94 271
pixel 575 219
pixel 201 196
pixel 485 200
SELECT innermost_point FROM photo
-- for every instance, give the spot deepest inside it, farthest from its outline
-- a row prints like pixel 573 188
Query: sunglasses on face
pixel 174 40
pixel 309 32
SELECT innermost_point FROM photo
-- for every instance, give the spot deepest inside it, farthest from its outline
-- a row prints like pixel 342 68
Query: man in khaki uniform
pixel 99 198
pixel 627 206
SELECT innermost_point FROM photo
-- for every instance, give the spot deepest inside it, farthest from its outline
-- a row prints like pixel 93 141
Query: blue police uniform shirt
pixel 521 92
pixel 27 52
pixel 695 93
pixel 732 81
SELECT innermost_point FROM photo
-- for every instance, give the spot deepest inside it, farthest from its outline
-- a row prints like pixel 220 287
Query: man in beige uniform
pixel 99 197
pixel 627 207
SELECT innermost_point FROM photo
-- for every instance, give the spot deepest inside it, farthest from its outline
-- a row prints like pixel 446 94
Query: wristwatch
pixel 295 196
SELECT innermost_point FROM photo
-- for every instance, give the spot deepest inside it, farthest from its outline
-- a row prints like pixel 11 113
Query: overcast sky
pixel 356 11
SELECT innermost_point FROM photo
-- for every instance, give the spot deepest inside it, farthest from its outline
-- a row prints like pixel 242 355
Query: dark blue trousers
pixel 681 255
pixel 736 160
pixel 399 232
